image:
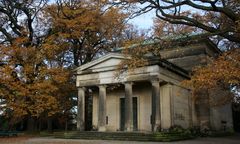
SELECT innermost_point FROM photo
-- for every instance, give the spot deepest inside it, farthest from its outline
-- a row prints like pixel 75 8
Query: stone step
pixel 131 139
pixel 131 136
pixel 115 133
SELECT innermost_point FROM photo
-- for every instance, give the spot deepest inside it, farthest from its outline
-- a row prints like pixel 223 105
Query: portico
pixel 149 98
pixel 127 108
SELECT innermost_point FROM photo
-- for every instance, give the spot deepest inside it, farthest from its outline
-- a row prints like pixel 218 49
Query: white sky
pixel 144 21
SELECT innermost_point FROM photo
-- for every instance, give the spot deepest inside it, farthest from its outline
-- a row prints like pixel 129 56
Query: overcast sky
pixel 144 21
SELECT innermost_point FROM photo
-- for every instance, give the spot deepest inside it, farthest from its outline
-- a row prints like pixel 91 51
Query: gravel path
pixel 28 140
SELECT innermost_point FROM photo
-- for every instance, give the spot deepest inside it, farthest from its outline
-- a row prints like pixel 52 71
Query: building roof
pixel 180 40
pixel 100 59
pixel 169 66
pixel 152 61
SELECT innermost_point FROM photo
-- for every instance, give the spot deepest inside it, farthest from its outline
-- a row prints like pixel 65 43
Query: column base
pixel 129 129
pixel 102 129
pixel 156 128
pixel 80 126
pixel 80 129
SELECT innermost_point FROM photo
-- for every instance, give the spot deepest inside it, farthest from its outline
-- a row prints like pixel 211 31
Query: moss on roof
pixel 178 40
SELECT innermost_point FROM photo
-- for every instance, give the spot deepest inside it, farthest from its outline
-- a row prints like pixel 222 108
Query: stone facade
pixel 149 98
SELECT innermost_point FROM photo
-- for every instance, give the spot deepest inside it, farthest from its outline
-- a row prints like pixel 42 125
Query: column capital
pixel 81 88
pixel 155 81
pixel 102 86
pixel 128 83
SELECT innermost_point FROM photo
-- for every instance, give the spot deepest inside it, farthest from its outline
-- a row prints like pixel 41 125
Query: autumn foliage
pixel 221 77
pixel 85 29
pixel 30 86
pixel 40 45
pixel 214 17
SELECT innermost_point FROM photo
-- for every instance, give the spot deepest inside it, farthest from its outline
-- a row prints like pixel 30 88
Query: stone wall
pixel 221 118
pixel 220 115
pixel 181 105
pixel 189 56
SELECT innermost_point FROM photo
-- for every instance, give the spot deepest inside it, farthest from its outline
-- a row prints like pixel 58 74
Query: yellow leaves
pixel 84 26
pixel 222 73
pixel 79 30
pixel 44 103
pixel 29 86
pixel 163 28
pixel 75 21
pixel 136 52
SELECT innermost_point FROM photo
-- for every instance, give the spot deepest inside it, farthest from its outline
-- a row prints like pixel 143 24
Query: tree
pixel 215 17
pixel 85 28
pixel 220 76
pixel 17 18
pixel 29 85
pixel 32 77
pixel 163 28
pixel 41 43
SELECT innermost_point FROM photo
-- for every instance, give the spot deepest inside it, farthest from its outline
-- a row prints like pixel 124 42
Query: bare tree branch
pixel 224 10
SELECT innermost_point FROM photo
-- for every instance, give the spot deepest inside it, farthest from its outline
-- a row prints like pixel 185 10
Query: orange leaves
pixel 113 22
pixel 33 76
pixel 163 28
pixel 84 28
pixel 225 68
pixel 221 75
pixel 72 22
pixel 137 51
pixel 30 86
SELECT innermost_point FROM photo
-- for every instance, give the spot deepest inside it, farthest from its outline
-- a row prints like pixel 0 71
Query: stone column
pixel 81 109
pixel 102 108
pixel 156 108
pixel 128 107
pixel 203 109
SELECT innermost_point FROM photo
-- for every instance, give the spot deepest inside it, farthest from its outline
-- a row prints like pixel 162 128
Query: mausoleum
pixel 151 97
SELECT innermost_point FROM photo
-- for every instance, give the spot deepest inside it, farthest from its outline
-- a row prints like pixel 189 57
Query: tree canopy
pixel 85 28
pixel 40 44
pixel 30 80
pixel 222 76
pixel 215 17
pixel 218 20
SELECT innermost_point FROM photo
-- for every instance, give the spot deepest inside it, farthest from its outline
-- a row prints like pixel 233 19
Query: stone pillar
pixel 81 109
pixel 128 107
pixel 156 108
pixel 102 108
pixel 203 110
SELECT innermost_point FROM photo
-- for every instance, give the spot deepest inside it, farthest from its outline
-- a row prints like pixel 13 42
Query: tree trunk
pixel 49 124
pixel 31 124
pixel 40 125
pixel 66 125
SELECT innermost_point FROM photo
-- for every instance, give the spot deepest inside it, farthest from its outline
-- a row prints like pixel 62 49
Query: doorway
pixel 122 113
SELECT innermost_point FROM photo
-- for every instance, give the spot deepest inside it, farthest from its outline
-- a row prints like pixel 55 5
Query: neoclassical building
pixel 149 98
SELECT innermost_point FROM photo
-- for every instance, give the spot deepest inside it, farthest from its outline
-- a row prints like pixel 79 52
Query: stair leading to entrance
pixel 129 136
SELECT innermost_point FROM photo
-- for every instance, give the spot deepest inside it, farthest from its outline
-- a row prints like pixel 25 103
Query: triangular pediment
pixel 108 61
